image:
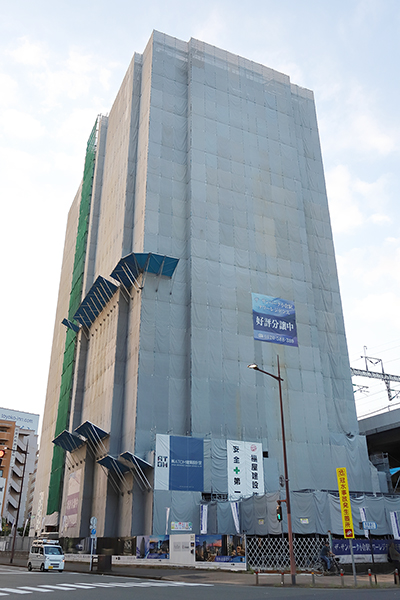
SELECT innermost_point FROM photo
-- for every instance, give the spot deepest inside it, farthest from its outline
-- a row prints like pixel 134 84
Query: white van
pixel 46 555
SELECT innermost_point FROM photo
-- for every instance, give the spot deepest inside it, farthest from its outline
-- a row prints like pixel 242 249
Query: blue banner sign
pixel 179 463
pixel 274 320
pixel 186 470
pixel 362 550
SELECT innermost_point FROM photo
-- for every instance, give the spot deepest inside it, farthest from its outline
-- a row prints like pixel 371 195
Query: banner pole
pixel 353 562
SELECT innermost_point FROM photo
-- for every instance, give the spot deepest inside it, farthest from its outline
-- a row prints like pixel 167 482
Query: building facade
pixel 19 442
pixel 203 186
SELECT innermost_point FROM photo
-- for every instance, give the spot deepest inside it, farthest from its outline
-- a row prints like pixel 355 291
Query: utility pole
pixel 392 394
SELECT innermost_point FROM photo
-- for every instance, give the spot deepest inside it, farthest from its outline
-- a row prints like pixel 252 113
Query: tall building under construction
pixel 201 217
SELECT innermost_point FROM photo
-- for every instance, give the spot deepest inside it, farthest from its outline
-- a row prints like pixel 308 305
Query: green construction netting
pixel 57 465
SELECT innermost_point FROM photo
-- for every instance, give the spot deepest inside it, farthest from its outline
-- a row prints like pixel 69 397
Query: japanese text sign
pixel 245 469
pixel 345 506
pixel 274 320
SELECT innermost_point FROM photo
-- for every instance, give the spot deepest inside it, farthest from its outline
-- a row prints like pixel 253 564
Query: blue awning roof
pixel 129 267
pixel 96 299
pixel 136 461
pixel 70 325
pixel 69 441
pixel 91 432
pixel 113 464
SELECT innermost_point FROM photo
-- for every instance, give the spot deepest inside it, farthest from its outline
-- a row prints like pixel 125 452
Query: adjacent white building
pixel 19 441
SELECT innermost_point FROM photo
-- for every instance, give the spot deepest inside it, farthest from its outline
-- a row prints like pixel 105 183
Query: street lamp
pixel 279 379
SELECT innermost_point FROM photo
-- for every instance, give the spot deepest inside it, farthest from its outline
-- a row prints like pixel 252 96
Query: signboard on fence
pixel 345 506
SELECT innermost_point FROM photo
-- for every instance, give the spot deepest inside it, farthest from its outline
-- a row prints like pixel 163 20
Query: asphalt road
pixel 17 581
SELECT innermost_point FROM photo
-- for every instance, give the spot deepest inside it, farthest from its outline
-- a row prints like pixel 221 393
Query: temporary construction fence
pixel 272 553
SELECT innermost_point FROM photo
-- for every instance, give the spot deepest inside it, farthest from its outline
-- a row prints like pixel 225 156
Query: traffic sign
pixel 93 533
pixel 93 522
pixel 369 525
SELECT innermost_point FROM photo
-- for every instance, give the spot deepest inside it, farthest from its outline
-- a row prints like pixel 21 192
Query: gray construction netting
pixel 312 513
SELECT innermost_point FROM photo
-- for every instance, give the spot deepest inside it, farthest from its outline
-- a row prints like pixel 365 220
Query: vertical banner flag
pixel 274 320
pixel 167 511
pixel 72 504
pixel 345 506
pixel 363 516
pixel 235 514
pixel 395 524
pixel 179 463
pixel 245 469
pixel 203 518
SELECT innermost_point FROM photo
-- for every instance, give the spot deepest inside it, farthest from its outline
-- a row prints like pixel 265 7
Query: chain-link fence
pixel 272 553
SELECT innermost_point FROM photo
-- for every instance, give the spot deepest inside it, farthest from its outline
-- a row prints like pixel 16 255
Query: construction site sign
pixel 345 506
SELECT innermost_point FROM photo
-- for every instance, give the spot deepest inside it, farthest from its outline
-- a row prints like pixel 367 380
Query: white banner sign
pixel 245 469
pixel 203 518
pixel 235 514
pixel 363 516
pixel 395 525
pixel 162 460
pixel 181 526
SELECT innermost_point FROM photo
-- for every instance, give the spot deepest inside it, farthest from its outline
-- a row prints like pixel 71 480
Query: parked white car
pixel 46 555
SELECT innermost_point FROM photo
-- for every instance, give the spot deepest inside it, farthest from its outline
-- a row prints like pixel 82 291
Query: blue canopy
pixel 129 267
pixel 91 432
pixel 69 441
pixel 136 461
pixel 96 299
pixel 70 325
pixel 113 464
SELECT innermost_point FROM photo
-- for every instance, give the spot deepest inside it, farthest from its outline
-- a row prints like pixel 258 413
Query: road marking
pixel 33 589
pixel 69 587
pixel 105 585
pixel 56 587
pixel 83 586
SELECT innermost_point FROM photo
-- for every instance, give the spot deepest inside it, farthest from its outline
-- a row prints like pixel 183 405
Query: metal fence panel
pixel 272 553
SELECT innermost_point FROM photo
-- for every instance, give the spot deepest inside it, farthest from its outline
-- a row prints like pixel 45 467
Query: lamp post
pixel 279 379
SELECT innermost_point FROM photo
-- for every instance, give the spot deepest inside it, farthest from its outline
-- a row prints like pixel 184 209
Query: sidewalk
pixel 216 576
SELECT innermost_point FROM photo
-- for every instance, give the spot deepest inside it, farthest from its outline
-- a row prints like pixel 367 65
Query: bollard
pixel 282 578
pixel 342 577
pixel 312 578
pixel 370 577
pixel 396 576
pixel 256 577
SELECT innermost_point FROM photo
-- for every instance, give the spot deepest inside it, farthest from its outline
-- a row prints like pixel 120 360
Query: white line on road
pixel 56 587
pixel 81 586
pixel 105 585
pixel 69 587
pixel 33 589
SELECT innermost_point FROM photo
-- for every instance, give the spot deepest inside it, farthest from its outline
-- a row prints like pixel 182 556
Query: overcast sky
pixel 61 64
